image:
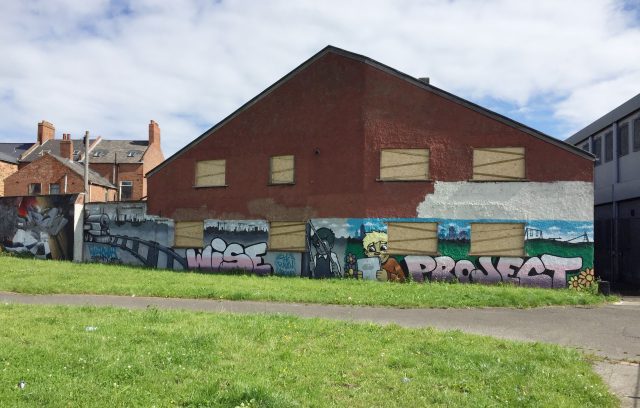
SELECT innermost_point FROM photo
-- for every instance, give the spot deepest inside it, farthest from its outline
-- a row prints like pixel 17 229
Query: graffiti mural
pixel 123 233
pixel 233 245
pixel 557 254
pixel 40 226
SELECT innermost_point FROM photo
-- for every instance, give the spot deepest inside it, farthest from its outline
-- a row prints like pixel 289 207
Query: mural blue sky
pixel 111 66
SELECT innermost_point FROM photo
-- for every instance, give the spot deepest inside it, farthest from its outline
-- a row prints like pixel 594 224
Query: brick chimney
pixel 46 131
pixel 154 134
pixel 66 147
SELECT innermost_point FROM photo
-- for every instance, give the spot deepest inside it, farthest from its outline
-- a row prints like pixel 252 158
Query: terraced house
pixel 55 166
pixel 347 167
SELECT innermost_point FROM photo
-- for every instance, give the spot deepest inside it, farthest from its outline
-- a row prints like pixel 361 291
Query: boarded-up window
pixel 497 239
pixel 498 164
pixel 210 173
pixel 412 238
pixel 282 170
pixel 287 236
pixel 189 234
pixel 404 164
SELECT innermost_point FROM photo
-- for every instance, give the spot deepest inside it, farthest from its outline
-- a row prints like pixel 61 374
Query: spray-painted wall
pixel 558 253
pixel 40 227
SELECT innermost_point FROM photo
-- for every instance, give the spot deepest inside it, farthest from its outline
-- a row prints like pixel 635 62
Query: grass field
pixel 36 276
pixel 86 356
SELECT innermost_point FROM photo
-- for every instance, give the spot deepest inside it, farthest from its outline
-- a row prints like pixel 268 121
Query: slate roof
pixel 369 61
pixel 94 178
pixel 10 152
pixel 105 151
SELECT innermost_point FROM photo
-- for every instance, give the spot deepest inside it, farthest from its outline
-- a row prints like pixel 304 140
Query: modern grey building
pixel 615 141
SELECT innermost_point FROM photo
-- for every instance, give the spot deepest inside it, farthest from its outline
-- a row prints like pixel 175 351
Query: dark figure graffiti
pixel 325 262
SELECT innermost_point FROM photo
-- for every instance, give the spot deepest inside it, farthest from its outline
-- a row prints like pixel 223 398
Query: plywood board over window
pixel 282 170
pixel 189 234
pixel 497 239
pixel 404 164
pixel 210 173
pixel 412 238
pixel 288 236
pixel 498 164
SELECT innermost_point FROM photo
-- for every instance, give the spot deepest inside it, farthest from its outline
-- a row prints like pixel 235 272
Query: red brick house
pixel 334 114
pixel 118 166
pixel 9 155
pixel 348 168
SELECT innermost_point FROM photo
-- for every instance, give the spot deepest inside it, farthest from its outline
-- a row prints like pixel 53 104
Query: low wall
pixel 40 227
pixel 556 253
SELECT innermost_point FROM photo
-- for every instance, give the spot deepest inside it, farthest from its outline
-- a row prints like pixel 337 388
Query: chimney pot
pixel 154 133
pixel 46 131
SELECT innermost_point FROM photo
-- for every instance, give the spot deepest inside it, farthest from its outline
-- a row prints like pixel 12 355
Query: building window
pixel 493 239
pixel 54 188
pixel 404 164
pixel 412 238
pixel 498 164
pixel 636 135
pixel 585 147
pixel 282 170
pixel 288 236
pixel 623 140
pixel 597 149
pixel 189 234
pixel 211 173
pixel 608 147
pixel 35 189
pixel 126 190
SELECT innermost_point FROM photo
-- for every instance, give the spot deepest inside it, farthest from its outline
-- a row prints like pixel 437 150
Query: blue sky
pixel 111 66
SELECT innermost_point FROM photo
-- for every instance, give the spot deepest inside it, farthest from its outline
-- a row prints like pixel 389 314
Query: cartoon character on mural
pixel 325 261
pixel 375 245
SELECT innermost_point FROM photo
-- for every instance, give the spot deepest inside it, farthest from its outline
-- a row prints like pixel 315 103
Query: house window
pixel 597 149
pixel 412 238
pixel 497 239
pixel 636 135
pixel 282 170
pixel 585 147
pixel 211 173
pixel 404 164
pixel 189 234
pixel 126 190
pixel 54 188
pixel 498 164
pixel 288 236
pixel 34 189
pixel 623 140
pixel 608 147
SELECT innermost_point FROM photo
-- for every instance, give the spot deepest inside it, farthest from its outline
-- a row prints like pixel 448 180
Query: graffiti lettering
pixel 285 264
pixel 545 271
pixel 220 256
pixel 102 253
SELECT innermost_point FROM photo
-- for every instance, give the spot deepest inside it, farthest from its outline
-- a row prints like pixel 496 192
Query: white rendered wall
pixel 561 200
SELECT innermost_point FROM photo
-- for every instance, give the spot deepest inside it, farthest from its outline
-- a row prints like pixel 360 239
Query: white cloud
pixel 109 67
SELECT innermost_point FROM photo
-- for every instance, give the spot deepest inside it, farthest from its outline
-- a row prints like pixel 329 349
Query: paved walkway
pixel 609 331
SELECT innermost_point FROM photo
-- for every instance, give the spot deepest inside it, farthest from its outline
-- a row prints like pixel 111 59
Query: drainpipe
pixel 65 183
pixel 86 166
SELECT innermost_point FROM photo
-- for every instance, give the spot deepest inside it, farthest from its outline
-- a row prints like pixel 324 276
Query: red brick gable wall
pixel 334 117
pixel 47 170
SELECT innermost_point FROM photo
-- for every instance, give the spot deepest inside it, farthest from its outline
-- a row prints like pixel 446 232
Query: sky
pixel 109 67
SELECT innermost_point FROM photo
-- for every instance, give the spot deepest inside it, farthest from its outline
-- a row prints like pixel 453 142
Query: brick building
pixel 9 155
pixel 118 166
pixel 346 167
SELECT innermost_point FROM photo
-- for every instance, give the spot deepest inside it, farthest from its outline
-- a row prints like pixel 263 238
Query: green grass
pixel 35 276
pixel 87 356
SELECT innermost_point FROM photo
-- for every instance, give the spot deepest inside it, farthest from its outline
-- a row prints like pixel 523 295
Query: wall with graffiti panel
pixel 555 254
pixel 38 227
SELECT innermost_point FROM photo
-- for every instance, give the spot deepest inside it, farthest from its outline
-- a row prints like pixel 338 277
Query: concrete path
pixel 610 331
